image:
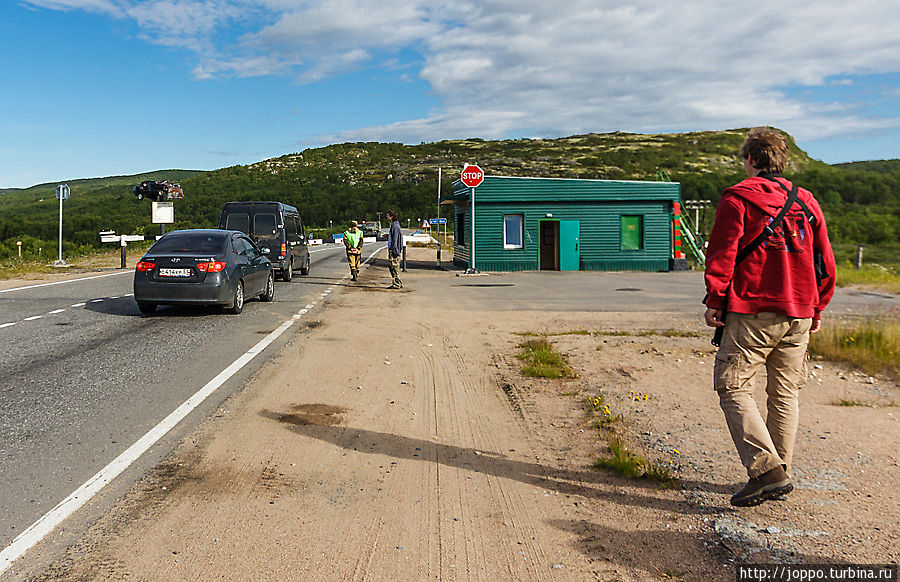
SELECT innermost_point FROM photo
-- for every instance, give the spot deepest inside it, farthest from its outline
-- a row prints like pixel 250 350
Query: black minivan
pixel 274 225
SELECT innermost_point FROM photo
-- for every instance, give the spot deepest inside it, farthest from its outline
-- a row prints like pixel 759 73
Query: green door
pixel 569 258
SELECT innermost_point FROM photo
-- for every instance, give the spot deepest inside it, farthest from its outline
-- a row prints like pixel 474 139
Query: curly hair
pixel 767 148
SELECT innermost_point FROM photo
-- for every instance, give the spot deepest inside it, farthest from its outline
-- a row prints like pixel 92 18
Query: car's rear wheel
pixel 305 270
pixel 145 307
pixel 269 292
pixel 237 302
pixel 288 273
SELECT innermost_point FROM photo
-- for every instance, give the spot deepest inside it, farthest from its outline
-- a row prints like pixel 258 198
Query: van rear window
pixel 264 225
pixel 239 222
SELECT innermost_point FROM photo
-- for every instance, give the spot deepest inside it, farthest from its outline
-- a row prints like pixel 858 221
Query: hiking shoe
pixel 393 287
pixel 772 484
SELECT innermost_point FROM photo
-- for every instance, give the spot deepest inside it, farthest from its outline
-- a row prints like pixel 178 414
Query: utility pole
pixel 439 219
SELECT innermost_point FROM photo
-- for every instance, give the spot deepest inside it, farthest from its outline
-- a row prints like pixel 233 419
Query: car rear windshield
pixel 264 226
pixel 238 221
pixel 205 244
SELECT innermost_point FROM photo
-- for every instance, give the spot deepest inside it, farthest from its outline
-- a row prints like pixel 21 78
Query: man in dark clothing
pixel 395 249
pixel 774 300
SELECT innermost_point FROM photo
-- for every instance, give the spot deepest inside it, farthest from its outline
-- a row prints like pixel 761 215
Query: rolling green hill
pixel 355 180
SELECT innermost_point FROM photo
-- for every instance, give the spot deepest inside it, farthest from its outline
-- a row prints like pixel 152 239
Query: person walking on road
pixel 771 272
pixel 395 249
pixel 353 241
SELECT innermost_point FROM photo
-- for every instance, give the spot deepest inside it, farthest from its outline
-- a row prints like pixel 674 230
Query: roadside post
pixel 62 193
pixel 19 244
pixel 472 176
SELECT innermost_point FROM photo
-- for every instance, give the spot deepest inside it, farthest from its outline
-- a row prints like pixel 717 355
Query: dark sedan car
pixel 203 267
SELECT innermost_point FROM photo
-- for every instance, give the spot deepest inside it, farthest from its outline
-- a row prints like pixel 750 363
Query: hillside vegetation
pixel 356 180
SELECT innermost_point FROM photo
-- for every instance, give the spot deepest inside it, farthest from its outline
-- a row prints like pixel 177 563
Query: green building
pixel 557 224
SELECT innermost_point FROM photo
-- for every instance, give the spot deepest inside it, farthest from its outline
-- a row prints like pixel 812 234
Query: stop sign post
pixel 472 176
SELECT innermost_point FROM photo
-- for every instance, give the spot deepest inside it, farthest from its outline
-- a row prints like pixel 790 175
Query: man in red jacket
pixel 774 300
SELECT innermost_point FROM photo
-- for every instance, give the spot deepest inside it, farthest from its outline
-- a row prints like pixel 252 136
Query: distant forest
pixel 342 182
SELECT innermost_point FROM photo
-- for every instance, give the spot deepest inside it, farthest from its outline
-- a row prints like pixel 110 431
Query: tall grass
pixel 632 465
pixel 542 361
pixel 873 345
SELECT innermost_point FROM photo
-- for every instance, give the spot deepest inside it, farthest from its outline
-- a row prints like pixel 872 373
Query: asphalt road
pixel 83 375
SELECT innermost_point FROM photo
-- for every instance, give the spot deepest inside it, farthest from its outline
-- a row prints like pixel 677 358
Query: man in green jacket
pixel 353 241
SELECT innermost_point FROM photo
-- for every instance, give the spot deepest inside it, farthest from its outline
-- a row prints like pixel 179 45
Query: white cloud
pixel 507 67
pixel 96 6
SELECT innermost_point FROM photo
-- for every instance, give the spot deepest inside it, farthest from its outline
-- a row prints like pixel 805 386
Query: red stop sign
pixel 472 176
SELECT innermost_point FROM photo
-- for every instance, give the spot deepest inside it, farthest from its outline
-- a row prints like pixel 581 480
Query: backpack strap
pixel 769 230
pixel 810 217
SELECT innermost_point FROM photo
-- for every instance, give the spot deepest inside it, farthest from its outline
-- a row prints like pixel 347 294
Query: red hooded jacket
pixel 778 275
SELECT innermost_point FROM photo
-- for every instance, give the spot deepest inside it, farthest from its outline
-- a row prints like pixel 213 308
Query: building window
pixel 632 233
pixel 513 231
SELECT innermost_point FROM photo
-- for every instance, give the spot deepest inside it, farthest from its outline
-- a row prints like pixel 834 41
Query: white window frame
pixel 521 232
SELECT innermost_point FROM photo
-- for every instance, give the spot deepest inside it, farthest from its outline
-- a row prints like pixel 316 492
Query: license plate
pixel 174 272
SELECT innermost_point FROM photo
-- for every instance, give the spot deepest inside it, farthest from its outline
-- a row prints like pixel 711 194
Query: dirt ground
pixel 396 439
pixel 80 267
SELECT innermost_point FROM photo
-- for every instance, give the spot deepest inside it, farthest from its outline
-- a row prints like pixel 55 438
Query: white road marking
pixel 2 325
pixel 78 498
pixel 33 317
pixel 55 311
pixel 78 305
pixel 97 300
pixel 63 282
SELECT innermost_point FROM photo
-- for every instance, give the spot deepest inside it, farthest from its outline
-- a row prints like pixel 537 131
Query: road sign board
pixel 62 192
pixel 162 212
pixel 472 176
pixel 437 220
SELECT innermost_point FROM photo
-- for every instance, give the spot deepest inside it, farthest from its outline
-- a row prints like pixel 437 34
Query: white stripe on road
pixel 2 325
pixel 49 521
pixel 66 281
pixel 55 311
pixel 33 317
pixel 78 305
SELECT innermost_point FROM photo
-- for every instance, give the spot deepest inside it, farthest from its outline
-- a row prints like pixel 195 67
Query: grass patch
pixel 850 402
pixel 871 345
pixel 876 277
pixel 542 361
pixel 631 465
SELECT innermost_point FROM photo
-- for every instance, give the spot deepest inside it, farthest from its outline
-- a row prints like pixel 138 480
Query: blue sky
pixel 106 87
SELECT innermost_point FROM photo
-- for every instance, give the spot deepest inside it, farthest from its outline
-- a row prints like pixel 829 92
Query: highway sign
pixel 437 220
pixel 472 176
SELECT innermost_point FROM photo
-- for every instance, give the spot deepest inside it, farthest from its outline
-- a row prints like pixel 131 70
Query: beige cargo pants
pixel 750 342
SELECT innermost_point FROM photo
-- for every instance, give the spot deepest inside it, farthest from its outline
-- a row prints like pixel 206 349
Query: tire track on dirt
pixel 468 385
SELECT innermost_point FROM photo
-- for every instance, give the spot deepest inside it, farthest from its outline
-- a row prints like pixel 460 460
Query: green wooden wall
pixel 597 205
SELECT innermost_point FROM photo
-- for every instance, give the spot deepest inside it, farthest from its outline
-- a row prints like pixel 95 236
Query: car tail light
pixel 213 267
pixel 144 266
pixel 283 249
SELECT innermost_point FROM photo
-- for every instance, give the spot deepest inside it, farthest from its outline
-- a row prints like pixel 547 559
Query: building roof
pixel 519 189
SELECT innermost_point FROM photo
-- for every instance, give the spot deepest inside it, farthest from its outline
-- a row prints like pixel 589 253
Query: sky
pixel 93 88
